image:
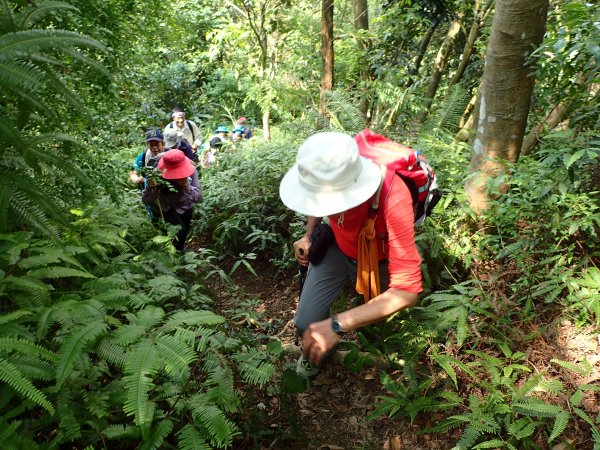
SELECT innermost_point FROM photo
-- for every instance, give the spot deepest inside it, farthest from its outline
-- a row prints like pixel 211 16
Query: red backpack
pixel 406 163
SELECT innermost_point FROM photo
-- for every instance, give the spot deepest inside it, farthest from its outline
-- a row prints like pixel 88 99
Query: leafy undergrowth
pixel 338 409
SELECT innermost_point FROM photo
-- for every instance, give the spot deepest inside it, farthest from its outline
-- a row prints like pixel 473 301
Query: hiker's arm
pixel 319 337
pixel 302 245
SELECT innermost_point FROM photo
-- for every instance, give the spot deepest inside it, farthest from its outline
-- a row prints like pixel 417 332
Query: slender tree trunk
pixel 326 55
pixel 466 121
pixel 479 16
pixel 439 64
pixel 554 117
pixel 421 53
pixel 361 23
pixel 505 95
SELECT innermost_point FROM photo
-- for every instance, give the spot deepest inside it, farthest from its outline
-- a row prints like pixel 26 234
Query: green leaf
pixel 15 379
pixel 560 424
pixel 73 346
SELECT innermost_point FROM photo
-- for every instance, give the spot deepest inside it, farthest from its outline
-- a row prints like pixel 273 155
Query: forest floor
pixel 332 413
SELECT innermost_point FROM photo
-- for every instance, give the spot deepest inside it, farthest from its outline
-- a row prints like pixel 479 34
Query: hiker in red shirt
pixel 331 179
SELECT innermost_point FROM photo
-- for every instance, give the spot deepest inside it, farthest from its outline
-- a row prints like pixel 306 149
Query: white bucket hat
pixel 329 176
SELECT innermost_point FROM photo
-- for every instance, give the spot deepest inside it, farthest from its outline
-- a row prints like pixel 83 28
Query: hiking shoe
pixel 305 369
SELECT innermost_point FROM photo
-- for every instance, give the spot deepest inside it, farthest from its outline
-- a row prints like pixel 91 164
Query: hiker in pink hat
pixel 174 198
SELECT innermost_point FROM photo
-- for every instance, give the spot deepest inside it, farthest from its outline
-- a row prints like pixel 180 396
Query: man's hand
pixel 301 249
pixel 317 340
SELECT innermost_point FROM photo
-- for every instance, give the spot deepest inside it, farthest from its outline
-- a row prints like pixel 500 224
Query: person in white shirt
pixel 186 129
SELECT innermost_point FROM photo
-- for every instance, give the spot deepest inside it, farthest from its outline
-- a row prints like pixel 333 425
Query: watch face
pixel 336 326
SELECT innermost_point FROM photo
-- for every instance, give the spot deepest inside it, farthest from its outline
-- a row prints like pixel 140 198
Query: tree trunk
pixel 466 121
pixel 479 16
pixel 361 23
pixel 439 64
pixel 422 49
pixel 505 95
pixel 326 55
pixel 550 122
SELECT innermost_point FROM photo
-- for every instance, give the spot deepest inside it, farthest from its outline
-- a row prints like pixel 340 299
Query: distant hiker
pixel 220 137
pixel 174 141
pixel 242 125
pixel 174 199
pixel 374 242
pixel 186 129
pixel 149 157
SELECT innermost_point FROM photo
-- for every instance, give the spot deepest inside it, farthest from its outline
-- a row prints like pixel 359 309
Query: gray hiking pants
pixel 324 282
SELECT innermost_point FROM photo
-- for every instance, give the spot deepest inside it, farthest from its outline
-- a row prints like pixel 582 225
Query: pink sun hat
pixel 175 165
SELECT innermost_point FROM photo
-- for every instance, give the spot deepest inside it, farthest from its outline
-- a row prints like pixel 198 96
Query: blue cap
pixel 222 128
pixel 154 135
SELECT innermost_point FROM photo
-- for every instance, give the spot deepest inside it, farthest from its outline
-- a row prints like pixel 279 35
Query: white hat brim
pixel 325 203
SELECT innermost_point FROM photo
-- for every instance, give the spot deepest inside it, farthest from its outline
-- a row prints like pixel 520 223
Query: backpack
pixel 408 164
pixel 189 124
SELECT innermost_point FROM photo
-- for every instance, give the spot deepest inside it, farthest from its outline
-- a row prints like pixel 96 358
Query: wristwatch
pixel 336 326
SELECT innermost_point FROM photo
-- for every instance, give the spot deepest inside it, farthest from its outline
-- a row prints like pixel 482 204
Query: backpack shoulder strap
pixel 171 125
pixel 189 124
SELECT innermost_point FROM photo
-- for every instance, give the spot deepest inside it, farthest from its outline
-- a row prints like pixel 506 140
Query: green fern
pixel 560 424
pixel 446 116
pixel 73 347
pixel 176 356
pixel 10 375
pixel 583 369
pixel 157 435
pixel 536 407
pixel 142 364
pixel 189 438
pixel 220 430
pixel 253 367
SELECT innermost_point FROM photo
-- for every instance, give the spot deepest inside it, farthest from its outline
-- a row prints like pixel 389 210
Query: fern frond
pixel 32 16
pixel 119 431
pixel 15 379
pixel 560 424
pixel 253 367
pixel 97 403
pixel 492 443
pixel 142 364
pixel 584 368
pixel 468 438
pixel 527 387
pixel 176 356
pixel 158 434
pixel 189 438
pixel 73 346
pixel 112 352
pixel 34 368
pixel 56 272
pixel 28 42
pixel 198 318
pixel 446 116
pixel 12 317
pixel 536 408
pixel 220 429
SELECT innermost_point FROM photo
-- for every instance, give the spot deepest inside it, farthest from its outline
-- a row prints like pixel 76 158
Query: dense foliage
pixel 111 339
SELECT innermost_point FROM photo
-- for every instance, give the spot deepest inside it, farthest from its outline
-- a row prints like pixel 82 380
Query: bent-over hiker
pixel 373 245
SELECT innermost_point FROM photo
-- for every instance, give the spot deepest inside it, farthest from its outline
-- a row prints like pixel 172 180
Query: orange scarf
pixel 367 271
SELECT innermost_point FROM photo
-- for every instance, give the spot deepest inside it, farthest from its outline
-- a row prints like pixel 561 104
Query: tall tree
pixel 480 13
pixel 439 64
pixel 326 55
pixel 505 94
pixel 360 9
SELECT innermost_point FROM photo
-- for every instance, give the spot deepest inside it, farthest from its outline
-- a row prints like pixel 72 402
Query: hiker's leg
pixel 177 219
pixel 321 287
